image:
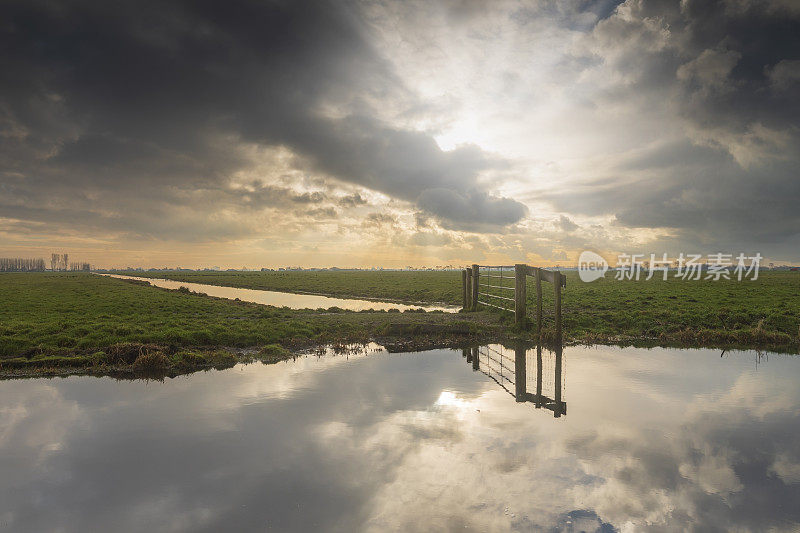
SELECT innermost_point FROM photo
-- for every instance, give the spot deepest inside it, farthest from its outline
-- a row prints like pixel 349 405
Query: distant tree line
pixel 17 264
pixel 57 262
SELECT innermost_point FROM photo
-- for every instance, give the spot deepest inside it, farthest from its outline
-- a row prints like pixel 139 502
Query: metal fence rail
pixel 491 356
pixel 492 278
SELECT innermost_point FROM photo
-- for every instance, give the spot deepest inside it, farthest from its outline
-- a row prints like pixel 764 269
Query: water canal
pixel 285 299
pixel 655 439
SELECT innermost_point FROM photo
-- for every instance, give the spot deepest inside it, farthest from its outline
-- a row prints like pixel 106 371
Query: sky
pixel 374 133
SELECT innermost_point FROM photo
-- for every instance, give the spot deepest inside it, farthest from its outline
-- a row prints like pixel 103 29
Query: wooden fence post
pixel 475 361
pixel 520 379
pixel 468 306
pixel 538 300
pixel 464 289
pixel 520 294
pixel 557 303
pixel 557 394
pixel 475 287
pixel 539 374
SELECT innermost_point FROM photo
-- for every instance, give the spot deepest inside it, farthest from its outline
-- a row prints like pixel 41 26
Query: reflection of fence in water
pixel 534 375
pixel 549 368
pixel 496 364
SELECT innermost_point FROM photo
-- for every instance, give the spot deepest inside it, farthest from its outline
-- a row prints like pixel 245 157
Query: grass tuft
pixel 153 362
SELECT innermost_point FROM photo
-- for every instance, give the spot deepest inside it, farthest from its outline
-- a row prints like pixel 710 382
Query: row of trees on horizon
pixel 58 262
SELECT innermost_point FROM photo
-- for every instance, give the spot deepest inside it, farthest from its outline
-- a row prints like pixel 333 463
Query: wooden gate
pixel 479 281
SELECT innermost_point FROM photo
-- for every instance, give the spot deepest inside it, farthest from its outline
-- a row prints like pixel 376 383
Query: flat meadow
pixel 62 319
pixel 703 312
pixel 81 319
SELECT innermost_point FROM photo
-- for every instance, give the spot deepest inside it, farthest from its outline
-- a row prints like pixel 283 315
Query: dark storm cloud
pixel 752 38
pixel 730 71
pixel 352 200
pixel 309 197
pixel 379 219
pixel 103 99
pixel 410 166
pixel 566 224
pixel 472 208
pixel 701 192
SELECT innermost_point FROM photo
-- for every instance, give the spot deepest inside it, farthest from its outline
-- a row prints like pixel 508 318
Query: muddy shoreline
pixel 159 362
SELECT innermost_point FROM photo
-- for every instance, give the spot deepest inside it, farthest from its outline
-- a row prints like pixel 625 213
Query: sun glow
pixel 449 399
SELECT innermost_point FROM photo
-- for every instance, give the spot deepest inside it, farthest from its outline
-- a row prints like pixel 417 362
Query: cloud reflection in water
pixel 655 439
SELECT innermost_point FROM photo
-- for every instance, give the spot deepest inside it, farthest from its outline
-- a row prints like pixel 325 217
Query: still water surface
pixel 644 440
pixel 285 299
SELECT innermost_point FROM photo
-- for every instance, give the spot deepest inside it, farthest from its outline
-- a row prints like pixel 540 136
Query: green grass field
pixel 47 317
pixel 748 312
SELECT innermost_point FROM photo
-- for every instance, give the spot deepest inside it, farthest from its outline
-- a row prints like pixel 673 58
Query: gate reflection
pixel 528 373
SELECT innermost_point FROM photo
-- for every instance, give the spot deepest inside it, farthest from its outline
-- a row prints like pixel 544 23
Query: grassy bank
pixel 74 320
pixel 761 313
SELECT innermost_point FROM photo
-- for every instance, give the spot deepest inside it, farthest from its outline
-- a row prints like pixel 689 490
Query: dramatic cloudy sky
pixel 270 133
